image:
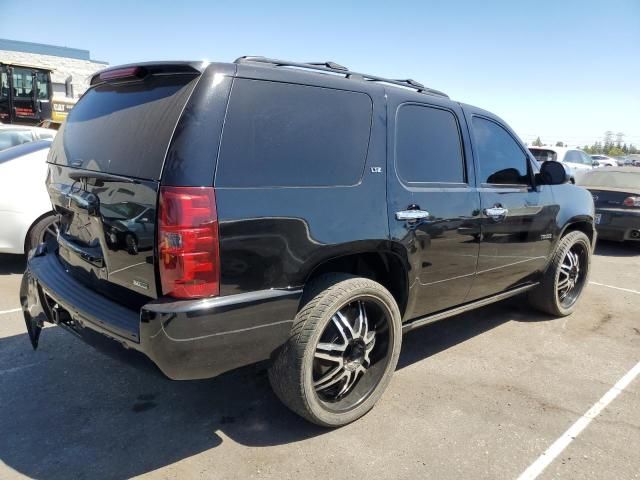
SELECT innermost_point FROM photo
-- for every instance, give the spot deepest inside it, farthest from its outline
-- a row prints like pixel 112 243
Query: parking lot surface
pixel 480 395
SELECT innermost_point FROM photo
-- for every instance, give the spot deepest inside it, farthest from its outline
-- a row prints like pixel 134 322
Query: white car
pixel 26 217
pixel 578 161
pixel 13 135
pixel 604 161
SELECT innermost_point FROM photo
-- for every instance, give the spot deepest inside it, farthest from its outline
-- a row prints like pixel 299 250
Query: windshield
pixel 542 155
pixel 600 178
pixel 123 129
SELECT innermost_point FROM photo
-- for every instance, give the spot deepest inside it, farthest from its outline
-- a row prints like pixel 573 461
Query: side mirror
pixel 553 173
pixel 595 163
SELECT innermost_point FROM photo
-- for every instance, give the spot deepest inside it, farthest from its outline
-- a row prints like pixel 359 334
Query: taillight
pixel 188 249
pixel 631 202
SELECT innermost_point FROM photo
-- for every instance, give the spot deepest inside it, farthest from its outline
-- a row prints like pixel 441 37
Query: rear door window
pixel 428 147
pixel 123 129
pixel 285 135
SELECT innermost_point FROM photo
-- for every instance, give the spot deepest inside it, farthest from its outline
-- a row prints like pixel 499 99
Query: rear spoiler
pixel 138 71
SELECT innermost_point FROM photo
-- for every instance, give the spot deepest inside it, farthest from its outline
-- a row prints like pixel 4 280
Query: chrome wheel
pixel 50 232
pixel 351 354
pixel 571 275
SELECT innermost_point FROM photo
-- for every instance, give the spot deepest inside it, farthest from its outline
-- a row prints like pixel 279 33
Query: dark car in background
pixel 616 195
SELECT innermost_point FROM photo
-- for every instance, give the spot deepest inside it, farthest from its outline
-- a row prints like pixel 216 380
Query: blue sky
pixel 564 70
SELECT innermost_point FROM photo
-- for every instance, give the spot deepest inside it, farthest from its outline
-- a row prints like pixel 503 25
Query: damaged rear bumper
pixel 186 339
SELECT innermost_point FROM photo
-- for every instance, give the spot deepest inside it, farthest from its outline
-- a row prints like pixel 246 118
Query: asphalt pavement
pixel 481 395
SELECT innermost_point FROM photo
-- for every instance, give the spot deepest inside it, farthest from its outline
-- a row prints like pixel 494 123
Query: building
pixel 70 68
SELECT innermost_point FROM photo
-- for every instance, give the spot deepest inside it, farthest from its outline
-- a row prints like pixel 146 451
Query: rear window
pixel 603 178
pixel 123 129
pixel 543 155
pixel 279 134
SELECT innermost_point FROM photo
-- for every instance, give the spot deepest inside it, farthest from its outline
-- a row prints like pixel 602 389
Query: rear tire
pixel 565 278
pixel 40 231
pixel 342 352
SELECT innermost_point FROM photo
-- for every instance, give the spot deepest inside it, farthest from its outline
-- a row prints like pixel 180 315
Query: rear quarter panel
pixel 273 237
pixel 576 205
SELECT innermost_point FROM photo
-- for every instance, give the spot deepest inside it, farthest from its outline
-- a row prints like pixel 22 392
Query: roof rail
pixel 333 67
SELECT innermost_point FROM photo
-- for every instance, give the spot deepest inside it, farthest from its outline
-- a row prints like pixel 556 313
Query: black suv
pixel 216 215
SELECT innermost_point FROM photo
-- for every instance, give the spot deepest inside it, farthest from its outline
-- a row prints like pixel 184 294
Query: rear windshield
pixel 600 178
pixel 123 129
pixel 543 155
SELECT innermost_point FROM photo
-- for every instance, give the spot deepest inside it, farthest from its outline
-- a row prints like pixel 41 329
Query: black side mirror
pixel 553 173
pixel 595 163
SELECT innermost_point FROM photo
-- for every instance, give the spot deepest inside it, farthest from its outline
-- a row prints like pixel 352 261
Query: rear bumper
pixel 618 224
pixel 186 339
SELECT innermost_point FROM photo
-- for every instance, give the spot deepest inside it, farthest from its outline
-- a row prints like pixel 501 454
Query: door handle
pixel 411 215
pixel 497 212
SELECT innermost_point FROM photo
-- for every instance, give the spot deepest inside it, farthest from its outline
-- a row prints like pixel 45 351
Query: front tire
pixel 565 278
pixel 342 352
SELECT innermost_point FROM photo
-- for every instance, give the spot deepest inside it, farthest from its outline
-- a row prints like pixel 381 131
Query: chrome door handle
pixel 496 212
pixel 411 214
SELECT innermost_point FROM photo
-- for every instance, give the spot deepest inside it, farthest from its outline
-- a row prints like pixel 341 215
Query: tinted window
pixel 543 155
pixel 279 134
pixel 500 158
pixel 123 129
pixel 573 156
pixel 428 145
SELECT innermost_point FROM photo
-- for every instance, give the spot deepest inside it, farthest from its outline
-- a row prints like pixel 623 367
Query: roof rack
pixel 339 69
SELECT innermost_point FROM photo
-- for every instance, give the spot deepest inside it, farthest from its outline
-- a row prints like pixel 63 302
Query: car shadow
pixel 12 264
pixel 617 249
pixel 69 411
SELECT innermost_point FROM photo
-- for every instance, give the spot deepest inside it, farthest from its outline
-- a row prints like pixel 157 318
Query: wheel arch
pixel 33 224
pixel 381 265
pixel 583 223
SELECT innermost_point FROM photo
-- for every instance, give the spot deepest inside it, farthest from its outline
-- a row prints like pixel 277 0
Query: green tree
pixel 615 152
pixel 537 142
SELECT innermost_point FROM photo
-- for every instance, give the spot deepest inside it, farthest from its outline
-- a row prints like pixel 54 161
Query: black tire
pixel 295 369
pixel 548 296
pixel 40 230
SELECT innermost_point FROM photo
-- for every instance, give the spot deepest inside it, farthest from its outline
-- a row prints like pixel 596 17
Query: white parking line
pixel 537 467
pixel 616 288
pixel 10 311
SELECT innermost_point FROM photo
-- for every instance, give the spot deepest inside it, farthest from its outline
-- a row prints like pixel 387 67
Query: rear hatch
pixel 104 177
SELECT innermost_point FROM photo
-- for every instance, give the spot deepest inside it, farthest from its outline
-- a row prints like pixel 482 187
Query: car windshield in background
pixel 11 138
pixel 613 179
pixel 543 155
